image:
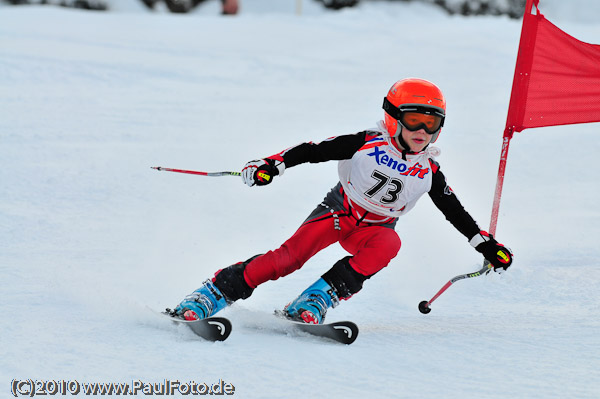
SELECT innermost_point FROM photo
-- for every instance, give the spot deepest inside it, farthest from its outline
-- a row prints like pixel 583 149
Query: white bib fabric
pixel 380 181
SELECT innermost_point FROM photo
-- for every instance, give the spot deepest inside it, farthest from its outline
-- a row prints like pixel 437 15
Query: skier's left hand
pixel 497 254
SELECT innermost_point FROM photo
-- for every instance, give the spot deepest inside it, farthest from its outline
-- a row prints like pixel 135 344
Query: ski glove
pixel 497 254
pixel 260 172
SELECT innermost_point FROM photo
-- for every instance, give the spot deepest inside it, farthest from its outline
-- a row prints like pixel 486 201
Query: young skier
pixel 382 173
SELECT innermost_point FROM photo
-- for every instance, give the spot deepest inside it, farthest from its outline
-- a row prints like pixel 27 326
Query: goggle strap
pixel 421 110
pixel 391 109
pixel 396 112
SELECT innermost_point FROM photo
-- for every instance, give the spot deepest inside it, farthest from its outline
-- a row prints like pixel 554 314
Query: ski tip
pixel 344 332
pixel 348 331
pixel 221 327
pixel 210 329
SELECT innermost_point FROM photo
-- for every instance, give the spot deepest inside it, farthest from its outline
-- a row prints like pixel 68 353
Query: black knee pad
pixel 231 282
pixel 344 279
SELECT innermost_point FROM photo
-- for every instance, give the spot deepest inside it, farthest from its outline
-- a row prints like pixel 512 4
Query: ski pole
pixel 194 172
pixel 424 305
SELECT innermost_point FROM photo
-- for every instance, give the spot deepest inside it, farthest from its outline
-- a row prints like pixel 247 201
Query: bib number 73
pixel 394 187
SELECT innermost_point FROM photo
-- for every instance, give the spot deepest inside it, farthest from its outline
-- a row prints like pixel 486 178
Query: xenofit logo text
pixel 383 159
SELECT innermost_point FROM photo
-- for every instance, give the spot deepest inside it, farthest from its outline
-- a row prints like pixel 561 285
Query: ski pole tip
pixel 424 307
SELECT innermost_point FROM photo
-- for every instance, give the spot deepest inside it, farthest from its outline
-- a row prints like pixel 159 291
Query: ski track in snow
pixel 92 237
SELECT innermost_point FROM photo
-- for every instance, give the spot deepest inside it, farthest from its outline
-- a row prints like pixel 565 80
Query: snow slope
pixel 92 238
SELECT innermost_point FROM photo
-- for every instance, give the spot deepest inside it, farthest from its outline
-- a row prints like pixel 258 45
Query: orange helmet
pixel 410 97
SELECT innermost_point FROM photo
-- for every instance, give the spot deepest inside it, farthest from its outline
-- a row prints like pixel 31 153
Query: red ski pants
pixel 372 246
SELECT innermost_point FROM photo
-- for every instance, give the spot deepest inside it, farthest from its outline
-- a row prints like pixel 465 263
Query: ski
pixel 218 328
pixel 210 329
pixel 344 332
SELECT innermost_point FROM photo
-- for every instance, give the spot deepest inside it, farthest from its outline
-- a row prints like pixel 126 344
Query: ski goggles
pixel 416 116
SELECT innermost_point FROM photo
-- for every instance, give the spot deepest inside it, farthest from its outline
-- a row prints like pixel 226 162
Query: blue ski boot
pixel 311 306
pixel 202 303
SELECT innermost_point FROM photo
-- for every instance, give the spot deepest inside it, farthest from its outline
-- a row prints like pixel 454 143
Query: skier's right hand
pixel 260 172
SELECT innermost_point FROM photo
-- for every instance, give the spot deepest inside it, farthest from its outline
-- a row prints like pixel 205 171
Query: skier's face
pixel 417 140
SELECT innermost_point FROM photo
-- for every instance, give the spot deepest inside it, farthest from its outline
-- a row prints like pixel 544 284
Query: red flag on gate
pixel 557 77
pixel 556 82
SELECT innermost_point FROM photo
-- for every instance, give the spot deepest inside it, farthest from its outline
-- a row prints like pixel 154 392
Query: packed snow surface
pixel 94 242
